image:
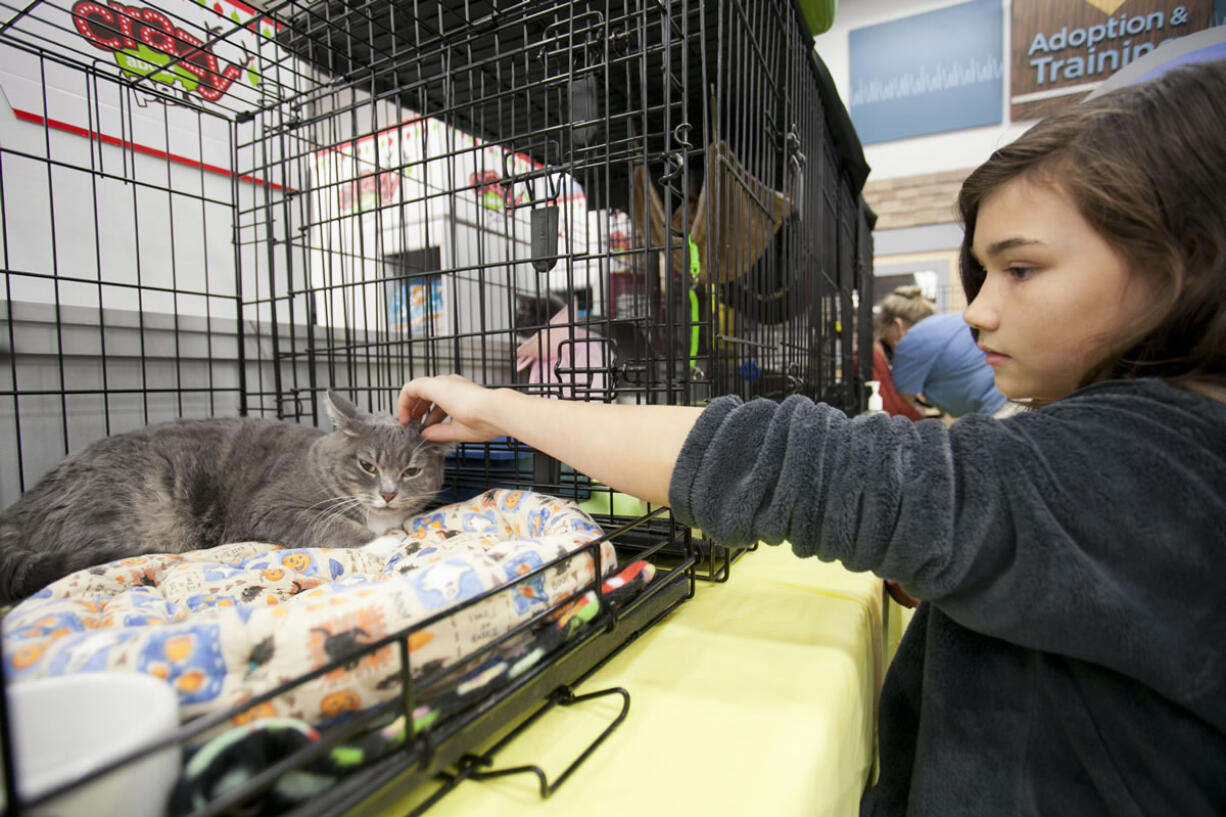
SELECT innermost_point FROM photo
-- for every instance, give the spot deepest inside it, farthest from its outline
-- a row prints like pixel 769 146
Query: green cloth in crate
pixel 615 504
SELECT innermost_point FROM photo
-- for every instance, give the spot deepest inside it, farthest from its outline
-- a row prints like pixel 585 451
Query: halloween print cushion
pixel 225 624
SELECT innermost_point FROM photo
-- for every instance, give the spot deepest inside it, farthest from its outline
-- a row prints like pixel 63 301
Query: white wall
pixel 927 154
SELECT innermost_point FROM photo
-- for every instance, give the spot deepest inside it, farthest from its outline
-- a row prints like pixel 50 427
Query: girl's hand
pixel 630 448
pixel 470 407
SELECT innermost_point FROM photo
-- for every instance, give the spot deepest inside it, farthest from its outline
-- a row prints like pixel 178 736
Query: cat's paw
pixel 384 546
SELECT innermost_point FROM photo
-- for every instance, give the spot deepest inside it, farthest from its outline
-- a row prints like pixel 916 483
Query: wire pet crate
pixel 213 210
pixel 657 203
pixel 647 164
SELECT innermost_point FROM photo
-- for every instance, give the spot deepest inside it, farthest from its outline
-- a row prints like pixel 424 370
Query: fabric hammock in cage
pixel 736 213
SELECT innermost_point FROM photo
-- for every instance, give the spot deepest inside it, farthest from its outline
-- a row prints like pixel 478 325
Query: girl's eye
pixel 368 467
pixel 1019 273
pixel 410 472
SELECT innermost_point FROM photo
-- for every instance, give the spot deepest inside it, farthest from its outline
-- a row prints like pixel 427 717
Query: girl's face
pixel 1055 296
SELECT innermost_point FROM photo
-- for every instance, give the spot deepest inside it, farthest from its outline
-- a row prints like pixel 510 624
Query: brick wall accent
pixel 911 201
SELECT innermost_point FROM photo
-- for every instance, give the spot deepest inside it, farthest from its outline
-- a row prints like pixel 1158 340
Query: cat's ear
pixel 343 413
pixel 437 449
pixel 440 449
pixel 437 452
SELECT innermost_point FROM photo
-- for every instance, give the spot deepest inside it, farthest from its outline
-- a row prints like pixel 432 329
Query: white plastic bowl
pixel 65 727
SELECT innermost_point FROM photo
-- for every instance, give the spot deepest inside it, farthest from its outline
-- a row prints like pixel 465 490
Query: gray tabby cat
pixel 191 484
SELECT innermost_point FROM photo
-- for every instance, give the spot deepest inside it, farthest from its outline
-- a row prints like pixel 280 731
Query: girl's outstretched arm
pixel 630 448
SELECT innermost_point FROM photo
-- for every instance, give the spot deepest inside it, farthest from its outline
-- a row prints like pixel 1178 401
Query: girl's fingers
pixel 406 405
pixel 436 415
pixel 413 404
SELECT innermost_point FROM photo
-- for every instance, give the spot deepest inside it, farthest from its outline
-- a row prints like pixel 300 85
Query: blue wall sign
pixel 928 73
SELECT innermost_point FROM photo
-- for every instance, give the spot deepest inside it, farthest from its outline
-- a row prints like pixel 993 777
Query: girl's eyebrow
pixel 1009 244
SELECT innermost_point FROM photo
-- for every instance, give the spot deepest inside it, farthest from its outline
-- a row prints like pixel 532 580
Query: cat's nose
pixel 388 497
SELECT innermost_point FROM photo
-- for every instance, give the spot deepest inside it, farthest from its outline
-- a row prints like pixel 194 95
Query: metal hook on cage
pixel 624 42
pixel 578 40
pixel 674 159
pixel 681 135
pixel 543 221
pixel 631 373
pixel 796 161
pixel 674 164
pixel 551 152
pixel 572 24
pixel 792 141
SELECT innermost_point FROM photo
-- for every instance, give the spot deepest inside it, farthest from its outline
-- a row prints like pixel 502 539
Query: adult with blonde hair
pixel 892 402
pixel 903 301
pixel 936 356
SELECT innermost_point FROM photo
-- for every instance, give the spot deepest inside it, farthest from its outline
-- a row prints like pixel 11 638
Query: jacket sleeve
pixel 861 490
pixel 1064 529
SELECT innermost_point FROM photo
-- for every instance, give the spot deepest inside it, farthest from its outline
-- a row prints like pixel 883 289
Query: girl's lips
pixel 994 358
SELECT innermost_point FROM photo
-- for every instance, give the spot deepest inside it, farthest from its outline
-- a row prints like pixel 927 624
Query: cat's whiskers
pixel 330 501
pixel 333 507
pixel 340 507
pixel 414 500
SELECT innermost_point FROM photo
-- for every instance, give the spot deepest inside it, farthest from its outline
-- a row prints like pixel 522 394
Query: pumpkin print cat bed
pixel 226 624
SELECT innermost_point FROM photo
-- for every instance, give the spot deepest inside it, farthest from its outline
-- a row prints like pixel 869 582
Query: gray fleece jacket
pixel 1070 656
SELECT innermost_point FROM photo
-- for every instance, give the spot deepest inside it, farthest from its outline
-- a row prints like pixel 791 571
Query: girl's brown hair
pixel 1146 167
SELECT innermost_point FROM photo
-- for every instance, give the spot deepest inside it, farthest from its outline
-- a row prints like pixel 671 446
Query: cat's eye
pixel 411 471
pixel 368 467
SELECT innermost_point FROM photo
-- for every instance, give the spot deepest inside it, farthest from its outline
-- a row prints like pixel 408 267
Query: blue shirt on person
pixel 938 358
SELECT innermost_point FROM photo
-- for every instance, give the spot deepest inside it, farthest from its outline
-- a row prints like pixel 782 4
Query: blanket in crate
pixel 241 753
pixel 226 624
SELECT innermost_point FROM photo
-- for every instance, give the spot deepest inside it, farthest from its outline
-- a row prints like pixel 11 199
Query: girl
pixel 1070 656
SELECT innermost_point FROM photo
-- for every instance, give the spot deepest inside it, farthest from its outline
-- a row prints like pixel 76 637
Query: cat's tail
pixel 23 572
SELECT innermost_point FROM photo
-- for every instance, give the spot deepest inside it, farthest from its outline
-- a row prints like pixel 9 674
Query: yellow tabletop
pixel 755 697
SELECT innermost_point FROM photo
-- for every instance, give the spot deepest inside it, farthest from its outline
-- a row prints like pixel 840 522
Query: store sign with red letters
pixel 146 42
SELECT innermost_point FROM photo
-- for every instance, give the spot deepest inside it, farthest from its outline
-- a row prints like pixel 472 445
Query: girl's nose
pixel 981 313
